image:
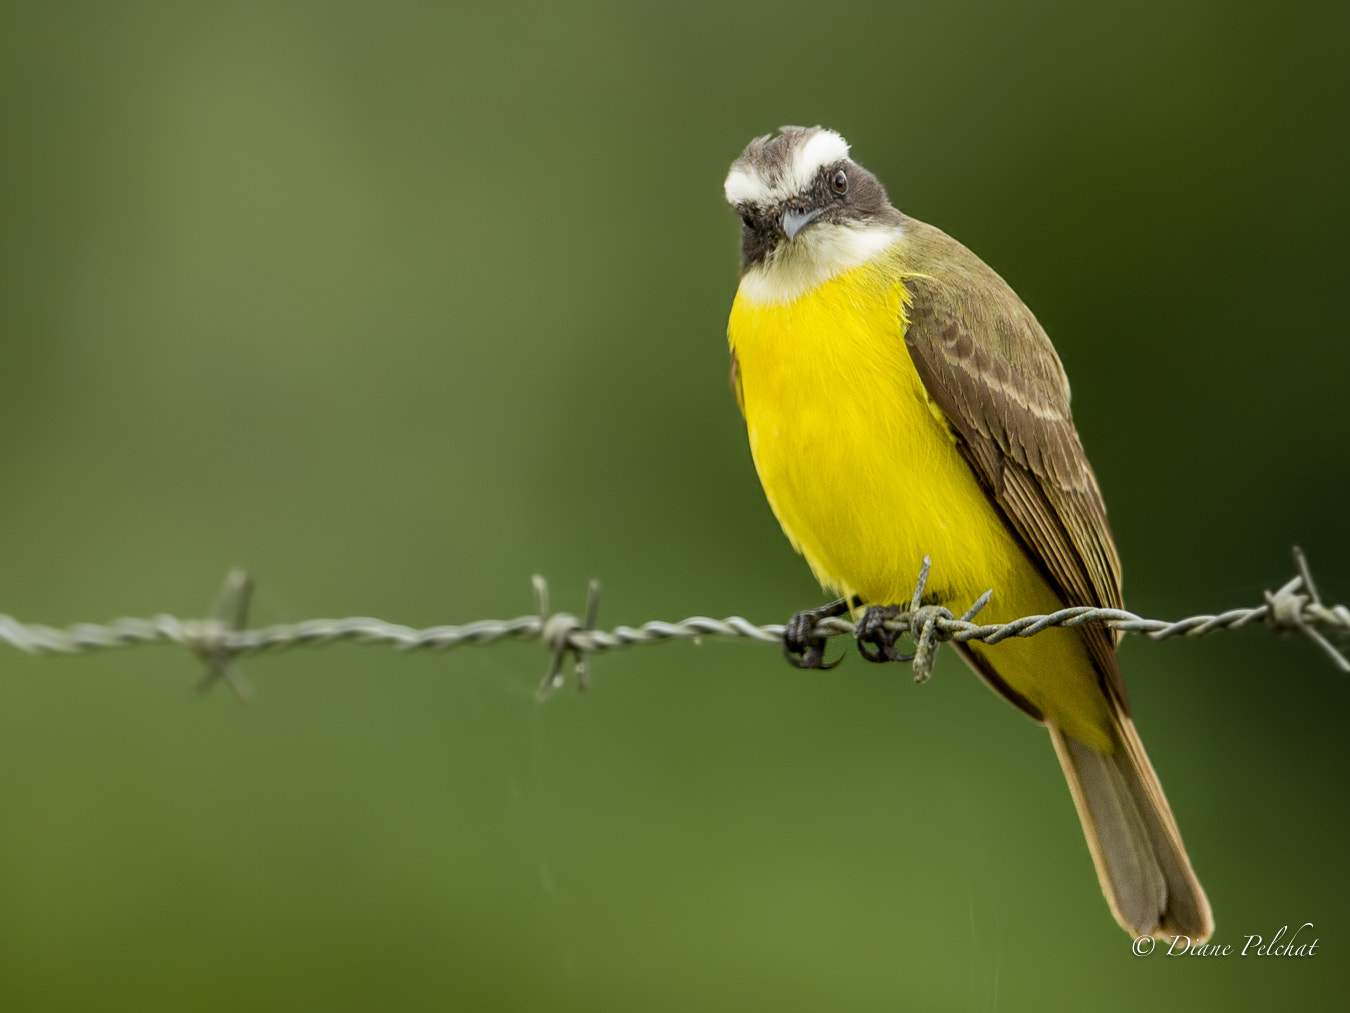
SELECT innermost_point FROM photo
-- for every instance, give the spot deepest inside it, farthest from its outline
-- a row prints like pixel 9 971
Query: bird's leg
pixel 872 630
pixel 803 644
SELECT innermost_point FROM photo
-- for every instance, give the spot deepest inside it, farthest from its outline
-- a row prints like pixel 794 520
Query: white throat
pixel 822 251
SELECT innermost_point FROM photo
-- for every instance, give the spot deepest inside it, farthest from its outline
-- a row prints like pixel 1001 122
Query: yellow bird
pixel 901 401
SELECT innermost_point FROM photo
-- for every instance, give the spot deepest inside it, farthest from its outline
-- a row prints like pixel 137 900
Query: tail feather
pixel 1135 844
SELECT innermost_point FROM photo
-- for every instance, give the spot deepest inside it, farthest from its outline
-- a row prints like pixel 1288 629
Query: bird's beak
pixel 794 221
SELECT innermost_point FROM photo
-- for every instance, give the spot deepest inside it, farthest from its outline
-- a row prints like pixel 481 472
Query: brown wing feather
pixel 989 367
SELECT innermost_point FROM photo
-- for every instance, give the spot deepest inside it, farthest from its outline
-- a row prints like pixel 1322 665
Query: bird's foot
pixel 803 643
pixel 876 641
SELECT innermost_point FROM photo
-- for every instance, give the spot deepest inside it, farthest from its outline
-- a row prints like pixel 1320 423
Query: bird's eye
pixel 840 182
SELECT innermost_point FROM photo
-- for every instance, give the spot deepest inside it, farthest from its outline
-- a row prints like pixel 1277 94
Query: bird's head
pixel 808 210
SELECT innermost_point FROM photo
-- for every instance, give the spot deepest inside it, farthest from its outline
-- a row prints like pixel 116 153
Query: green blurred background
pixel 397 304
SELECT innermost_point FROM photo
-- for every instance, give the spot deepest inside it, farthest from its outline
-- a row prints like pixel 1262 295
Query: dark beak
pixel 794 221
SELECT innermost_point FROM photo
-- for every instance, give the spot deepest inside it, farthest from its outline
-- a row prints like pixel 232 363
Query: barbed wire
pixel 224 636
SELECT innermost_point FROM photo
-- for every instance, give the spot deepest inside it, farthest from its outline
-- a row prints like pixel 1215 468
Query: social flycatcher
pixel 901 401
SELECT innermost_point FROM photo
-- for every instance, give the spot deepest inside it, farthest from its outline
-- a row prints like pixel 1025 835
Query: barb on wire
pixel 228 615
pixel 557 631
pixel 225 636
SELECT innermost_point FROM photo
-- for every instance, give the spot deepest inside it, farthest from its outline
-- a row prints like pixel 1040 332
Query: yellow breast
pixel 863 474
pixel 857 464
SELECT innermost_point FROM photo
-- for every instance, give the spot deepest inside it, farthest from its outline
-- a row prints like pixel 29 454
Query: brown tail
pixel 1141 862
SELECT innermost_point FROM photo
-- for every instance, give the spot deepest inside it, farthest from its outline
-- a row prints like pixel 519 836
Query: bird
pixel 901 401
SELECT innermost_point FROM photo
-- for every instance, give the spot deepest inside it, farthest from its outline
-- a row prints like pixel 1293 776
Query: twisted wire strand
pixel 218 640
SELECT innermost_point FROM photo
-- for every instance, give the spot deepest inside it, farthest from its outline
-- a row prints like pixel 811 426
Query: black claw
pixel 803 643
pixel 875 641
pixel 810 657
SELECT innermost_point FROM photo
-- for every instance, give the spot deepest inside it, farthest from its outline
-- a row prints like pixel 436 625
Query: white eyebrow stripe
pixel 824 148
pixel 746 186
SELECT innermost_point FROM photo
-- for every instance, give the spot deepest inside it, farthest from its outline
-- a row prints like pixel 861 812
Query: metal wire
pixel 224 636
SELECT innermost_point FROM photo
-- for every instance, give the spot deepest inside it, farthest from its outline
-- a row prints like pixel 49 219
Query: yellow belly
pixel 865 479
